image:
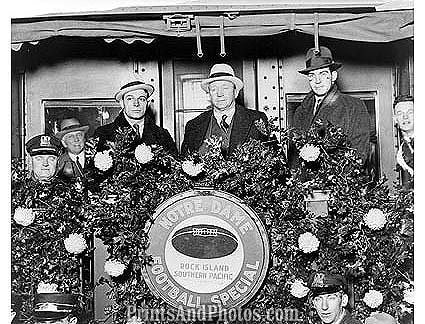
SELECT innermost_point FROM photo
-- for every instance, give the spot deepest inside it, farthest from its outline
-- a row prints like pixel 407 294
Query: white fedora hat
pixel 134 85
pixel 222 71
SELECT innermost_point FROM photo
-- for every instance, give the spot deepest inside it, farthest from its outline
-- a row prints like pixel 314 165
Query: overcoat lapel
pixel 241 127
pixel 200 131
pixel 325 106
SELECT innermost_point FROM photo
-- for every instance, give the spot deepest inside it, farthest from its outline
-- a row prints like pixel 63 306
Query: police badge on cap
pixel 322 282
pixel 43 144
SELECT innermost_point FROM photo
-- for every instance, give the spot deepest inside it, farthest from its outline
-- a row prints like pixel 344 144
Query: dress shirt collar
pixel 218 114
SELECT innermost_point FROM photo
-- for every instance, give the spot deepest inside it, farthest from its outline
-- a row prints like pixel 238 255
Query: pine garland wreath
pixel 367 234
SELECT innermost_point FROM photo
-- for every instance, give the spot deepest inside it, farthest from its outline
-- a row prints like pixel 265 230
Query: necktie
pixel 223 124
pixel 79 166
pixel 316 106
pixel 136 129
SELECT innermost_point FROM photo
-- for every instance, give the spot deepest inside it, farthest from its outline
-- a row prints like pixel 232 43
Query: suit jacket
pixel 242 130
pixel 341 110
pixel 152 134
pixel 67 168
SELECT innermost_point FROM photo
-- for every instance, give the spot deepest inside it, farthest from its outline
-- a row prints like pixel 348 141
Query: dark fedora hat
pixel 319 59
pixel 69 125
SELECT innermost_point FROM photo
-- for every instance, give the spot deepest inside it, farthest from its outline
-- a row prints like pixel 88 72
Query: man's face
pixel 222 94
pixel 74 142
pixel 44 166
pixel 404 115
pixel 330 307
pixel 134 103
pixel 321 80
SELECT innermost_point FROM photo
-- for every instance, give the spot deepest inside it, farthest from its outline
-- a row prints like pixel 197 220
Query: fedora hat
pixel 317 60
pixel 69 125
pixel 134 85
pixel 219 72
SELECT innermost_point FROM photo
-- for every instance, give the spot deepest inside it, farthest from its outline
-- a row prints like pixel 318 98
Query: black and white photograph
pixel 212 162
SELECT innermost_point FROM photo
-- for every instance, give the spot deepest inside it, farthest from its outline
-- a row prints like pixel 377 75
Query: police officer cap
pixel 322 282
pixel 54 306
pixel 43 144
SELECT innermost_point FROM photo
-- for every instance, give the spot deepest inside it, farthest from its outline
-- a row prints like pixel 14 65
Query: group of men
pixel 234 124
pixel 231 122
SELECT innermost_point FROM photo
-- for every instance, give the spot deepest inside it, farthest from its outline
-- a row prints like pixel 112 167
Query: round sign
pixel 210 252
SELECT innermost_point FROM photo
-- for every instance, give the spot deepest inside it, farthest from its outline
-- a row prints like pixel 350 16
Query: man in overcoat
pixel 326 103
pixel 225 120
pixel 133 99
pixel 72 163
pixel 404 119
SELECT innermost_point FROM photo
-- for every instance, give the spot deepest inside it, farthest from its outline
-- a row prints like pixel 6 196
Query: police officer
pixel 55 308
pixel 44 151
pixel 329 297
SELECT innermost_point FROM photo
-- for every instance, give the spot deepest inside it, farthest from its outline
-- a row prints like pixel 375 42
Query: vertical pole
pixel 198 37
pixel 316 32
pixel 21 107
pixel 222 48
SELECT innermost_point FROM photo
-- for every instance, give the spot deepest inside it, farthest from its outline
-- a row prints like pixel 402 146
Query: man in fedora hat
pixel 329 297
pixel 55 308
pixel 72 135
pixel 44 151
pixel 224 119
pixel 326 103
pixel 133 99
pixel 403 118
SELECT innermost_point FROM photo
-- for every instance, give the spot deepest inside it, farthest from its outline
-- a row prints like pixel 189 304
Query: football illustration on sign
pixel 204 241
pixel 210 252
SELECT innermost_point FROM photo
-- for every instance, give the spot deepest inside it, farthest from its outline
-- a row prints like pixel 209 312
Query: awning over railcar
pixel 379 21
